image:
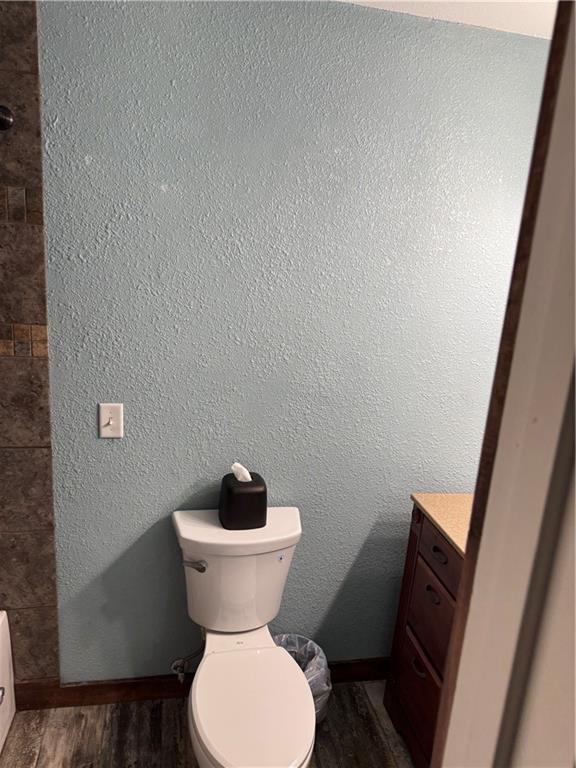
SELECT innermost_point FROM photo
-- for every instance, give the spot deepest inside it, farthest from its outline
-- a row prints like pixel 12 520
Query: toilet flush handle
pixel 198 565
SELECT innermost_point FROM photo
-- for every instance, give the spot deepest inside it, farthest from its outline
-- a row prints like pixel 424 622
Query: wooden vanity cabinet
pixel 423 624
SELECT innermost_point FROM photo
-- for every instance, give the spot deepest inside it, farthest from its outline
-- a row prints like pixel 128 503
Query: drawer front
pixel 430 614
pixel 441 556
pixel 418 692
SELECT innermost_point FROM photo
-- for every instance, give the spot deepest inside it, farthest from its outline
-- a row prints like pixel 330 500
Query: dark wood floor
pixel 154 734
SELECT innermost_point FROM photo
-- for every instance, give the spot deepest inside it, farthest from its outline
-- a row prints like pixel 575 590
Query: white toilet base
pixel 201 756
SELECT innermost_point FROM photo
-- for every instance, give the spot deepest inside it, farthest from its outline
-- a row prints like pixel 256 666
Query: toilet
pixel 250 705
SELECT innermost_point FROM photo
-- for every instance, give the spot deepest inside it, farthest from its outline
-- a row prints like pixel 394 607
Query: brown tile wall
pixel 20 204
pixel 27 560
pixel 23 340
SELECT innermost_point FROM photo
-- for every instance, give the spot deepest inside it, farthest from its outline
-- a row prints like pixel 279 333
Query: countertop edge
pixel 437 524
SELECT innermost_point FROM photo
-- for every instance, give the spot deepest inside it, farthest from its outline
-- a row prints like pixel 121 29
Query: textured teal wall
pixel 280 233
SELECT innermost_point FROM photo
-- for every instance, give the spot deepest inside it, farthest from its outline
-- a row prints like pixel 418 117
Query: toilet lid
pixel 253 709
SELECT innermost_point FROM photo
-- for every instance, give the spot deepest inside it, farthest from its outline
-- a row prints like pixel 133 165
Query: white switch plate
pixel 110 420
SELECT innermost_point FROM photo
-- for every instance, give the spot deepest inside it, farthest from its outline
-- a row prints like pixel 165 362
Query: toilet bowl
pixel 250 705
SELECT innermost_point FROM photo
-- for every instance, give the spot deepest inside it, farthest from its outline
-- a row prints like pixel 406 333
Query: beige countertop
pixel 450 513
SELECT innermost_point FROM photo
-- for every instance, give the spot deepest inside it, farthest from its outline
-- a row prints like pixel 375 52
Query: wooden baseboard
pixel 359 670
pixel 43 694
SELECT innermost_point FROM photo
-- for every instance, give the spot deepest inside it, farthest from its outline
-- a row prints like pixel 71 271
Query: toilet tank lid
pixel 199 531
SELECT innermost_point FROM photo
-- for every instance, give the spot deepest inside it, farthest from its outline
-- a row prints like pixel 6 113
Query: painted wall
pixel 280 233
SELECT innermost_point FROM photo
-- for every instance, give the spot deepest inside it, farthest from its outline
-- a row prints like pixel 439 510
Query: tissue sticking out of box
pixel 241 473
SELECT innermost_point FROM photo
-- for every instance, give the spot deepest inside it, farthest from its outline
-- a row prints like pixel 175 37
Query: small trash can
pixel 313 662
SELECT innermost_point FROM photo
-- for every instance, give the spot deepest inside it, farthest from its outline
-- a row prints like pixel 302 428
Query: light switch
pixel 111 420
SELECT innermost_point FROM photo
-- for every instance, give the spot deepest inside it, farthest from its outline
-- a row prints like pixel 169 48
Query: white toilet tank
pixel 235 579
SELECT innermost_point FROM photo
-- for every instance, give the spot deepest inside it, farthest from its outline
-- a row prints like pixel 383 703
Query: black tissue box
pixel 242 505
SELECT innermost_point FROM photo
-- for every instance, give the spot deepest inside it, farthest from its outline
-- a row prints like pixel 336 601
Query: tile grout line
pixel 20 71
pixel 24 447
pixel 26 530
pixel 28 607
pixel 43 447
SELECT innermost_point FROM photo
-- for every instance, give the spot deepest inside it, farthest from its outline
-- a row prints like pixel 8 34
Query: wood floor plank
pixel 149 734
pixel 120 741
pixel 397 749
pixel 176 745
pixel 155 734
pixel 87 750
pixel 328 752
pixel 24 740
pixel 351 736
pixel 61 731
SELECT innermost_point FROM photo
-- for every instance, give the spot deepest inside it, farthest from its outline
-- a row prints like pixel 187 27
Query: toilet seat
pixel 252 708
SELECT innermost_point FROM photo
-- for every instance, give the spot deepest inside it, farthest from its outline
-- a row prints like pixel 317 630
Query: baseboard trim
pixel 359 670
pixel 44 694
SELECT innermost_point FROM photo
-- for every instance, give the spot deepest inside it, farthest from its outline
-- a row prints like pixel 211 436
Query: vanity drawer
pixel 430 614
pixel 441 556
pixel 418 691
